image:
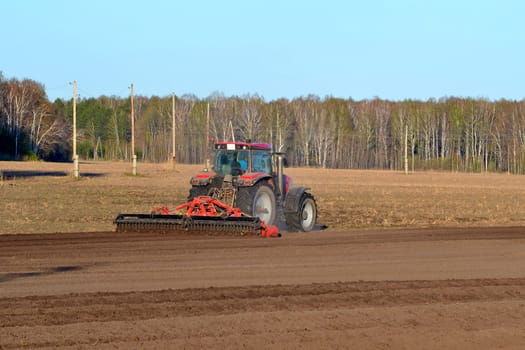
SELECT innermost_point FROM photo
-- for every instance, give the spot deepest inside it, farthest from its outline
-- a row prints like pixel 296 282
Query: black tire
pixel 258 200
pixel 197 191
pixel 304 217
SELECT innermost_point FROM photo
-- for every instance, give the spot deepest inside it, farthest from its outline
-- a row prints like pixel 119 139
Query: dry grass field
pixel 37 197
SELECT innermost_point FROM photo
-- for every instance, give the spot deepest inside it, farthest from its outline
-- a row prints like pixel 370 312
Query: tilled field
pixel 364 289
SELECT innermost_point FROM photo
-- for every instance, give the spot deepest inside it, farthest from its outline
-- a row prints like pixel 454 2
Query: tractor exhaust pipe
pixel 280 176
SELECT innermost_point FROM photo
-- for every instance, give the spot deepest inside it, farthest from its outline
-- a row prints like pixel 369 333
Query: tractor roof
pixel 243 145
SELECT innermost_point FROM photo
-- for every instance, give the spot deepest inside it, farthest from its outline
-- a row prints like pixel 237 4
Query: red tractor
pixel 249 176
pixel 245 194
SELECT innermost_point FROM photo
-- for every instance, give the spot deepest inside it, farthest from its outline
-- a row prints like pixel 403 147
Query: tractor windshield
pixel 231 162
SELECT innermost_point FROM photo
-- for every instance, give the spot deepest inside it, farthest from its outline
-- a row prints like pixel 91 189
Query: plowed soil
pixel 353 289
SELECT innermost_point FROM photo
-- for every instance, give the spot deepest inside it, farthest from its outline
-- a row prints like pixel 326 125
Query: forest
pixel 451 133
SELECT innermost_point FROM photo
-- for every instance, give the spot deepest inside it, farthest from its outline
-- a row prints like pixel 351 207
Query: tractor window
pixel 223 163
pixel 242 158
pixel 262 162
pixel 228 162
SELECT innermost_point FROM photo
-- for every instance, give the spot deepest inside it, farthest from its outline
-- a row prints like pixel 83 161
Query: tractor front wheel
pixel 258 200
pixel 305 216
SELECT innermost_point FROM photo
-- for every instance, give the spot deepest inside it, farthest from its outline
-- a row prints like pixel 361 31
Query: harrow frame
pixel 202 215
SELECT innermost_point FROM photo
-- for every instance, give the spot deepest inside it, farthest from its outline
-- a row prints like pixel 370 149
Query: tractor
pixel 250 176
pixel 246 193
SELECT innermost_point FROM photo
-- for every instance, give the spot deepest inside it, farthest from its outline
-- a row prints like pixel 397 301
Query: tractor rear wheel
pixel 258 200
pixel 305 217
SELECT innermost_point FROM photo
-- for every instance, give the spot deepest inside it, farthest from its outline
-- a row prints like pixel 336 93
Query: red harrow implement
pixel 202 215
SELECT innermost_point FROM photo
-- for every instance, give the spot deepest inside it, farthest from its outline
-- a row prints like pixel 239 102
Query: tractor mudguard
pixel 202 179
pixel 293 198
pixel 251 179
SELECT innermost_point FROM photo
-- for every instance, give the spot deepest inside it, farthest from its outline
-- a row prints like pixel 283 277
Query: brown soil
pixel 362 289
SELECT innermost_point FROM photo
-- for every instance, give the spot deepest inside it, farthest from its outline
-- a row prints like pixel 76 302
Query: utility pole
pixel 173 155
pixel 406 149
pixel 133 155
pixel 233 134
pixel 75 155
pixel 207 143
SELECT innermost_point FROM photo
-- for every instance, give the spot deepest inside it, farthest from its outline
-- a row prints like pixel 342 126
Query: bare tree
pixel 250 120
pixel 279 121
pixel 303 112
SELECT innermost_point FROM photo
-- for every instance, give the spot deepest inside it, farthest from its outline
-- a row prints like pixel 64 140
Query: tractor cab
pixel 239 158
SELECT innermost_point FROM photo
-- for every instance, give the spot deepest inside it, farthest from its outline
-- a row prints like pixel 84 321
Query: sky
pixel 394 50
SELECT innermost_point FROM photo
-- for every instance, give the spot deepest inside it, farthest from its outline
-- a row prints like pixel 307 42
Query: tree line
pixel 457 134
pixel 30 126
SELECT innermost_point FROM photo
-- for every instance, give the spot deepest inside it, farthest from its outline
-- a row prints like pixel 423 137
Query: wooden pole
pixel 406 149
pixel 173 153
pixel 76 172
pixel 133 155
pixel 207 139
pixel 231 130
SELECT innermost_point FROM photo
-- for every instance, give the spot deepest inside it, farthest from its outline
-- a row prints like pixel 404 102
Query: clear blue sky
pixel 394 49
